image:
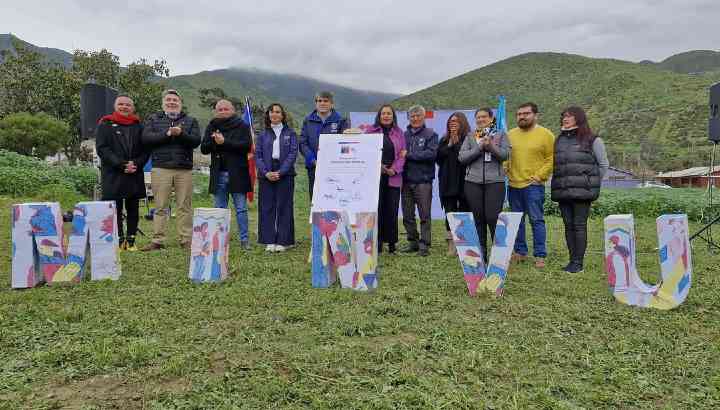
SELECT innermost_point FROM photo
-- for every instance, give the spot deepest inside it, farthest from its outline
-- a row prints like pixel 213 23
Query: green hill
pixel 697 61
pixel 650 118
pixel 294 91
pixel 54 55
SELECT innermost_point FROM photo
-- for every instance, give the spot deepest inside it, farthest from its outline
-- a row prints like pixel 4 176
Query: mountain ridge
pixel 651 114
pixel 650 118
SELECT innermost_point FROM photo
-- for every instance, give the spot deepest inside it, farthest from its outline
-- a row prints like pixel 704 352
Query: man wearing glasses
pixel 528 170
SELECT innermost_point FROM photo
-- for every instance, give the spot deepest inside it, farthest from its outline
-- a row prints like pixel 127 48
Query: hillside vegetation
pixel 294 91
pixel 652 115
pixel 696 61
pixel 651 118
pixel 53 55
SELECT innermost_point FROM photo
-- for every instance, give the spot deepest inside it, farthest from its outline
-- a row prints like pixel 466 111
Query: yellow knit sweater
pixel 531 156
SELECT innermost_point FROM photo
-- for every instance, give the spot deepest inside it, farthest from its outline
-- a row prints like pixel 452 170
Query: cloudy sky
pixel 399 46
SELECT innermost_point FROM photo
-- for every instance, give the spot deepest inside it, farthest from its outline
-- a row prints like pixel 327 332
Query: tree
pixel 144 83
pixel 38 135
pixel 210 96
pixel 101 67
pixel 29 84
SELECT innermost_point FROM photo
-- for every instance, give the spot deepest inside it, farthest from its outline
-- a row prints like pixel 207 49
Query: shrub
pixel 25 176
pixel 647 202
pixel 38 135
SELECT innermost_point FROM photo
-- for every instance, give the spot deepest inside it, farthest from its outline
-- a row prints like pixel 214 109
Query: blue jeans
pixel 221 201
pixel 530 201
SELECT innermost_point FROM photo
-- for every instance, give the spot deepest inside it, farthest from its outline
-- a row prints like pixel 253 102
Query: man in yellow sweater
pixel 528 170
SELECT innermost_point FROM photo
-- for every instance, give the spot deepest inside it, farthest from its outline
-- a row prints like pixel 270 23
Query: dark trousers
pixel 388 212
pixel 132 210
pixel 420 196
pixel 311 182
pixel 575 215
pixel 453 204
pixel 485 201
pixel 276 224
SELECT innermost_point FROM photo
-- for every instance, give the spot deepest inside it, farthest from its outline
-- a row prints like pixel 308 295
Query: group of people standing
pixel 169 137
pixel 473 167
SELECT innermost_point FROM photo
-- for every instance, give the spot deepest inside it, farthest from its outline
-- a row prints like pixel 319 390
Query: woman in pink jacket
pixel 393 160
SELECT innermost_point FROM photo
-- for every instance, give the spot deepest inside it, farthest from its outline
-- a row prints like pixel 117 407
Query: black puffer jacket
pixel 171 152
pixel 576 173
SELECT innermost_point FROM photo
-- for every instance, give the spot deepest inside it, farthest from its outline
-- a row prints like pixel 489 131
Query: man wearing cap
pixel 171 136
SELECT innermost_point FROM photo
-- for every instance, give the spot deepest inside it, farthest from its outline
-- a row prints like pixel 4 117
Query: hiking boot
pixel 152 246
pixel 130 244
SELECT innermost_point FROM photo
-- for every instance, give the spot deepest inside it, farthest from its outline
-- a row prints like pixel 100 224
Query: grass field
pixel 266 339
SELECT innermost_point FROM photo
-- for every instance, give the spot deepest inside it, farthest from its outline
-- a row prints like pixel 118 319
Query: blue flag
pixel 501 114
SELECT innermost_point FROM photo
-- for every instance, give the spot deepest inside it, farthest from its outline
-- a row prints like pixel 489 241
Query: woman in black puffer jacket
pixel 580 164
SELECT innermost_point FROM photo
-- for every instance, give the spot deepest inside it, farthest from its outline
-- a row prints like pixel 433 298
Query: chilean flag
pixel 247 117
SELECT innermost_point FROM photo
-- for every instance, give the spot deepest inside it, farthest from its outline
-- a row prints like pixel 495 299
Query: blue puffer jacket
pixel 422 146
pixel 312 127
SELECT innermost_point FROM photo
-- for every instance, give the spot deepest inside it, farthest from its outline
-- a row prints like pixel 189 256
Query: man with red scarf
pixel 118 144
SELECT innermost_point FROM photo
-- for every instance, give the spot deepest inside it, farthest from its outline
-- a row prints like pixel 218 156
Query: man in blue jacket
pixel 418 176
pixel 324 120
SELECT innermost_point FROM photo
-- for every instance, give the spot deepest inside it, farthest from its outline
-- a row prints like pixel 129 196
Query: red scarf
pixel 118 118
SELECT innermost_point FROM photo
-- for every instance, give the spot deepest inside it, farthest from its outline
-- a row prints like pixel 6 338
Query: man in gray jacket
pixel 418 176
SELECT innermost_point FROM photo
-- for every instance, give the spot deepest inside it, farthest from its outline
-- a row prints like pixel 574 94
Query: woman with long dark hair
pixel 580 164
pixel 393 161
pixel 483 154
pixel 451 172
pixel 277 148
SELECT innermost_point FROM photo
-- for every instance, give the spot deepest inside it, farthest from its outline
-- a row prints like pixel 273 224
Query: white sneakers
pixel 275 248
